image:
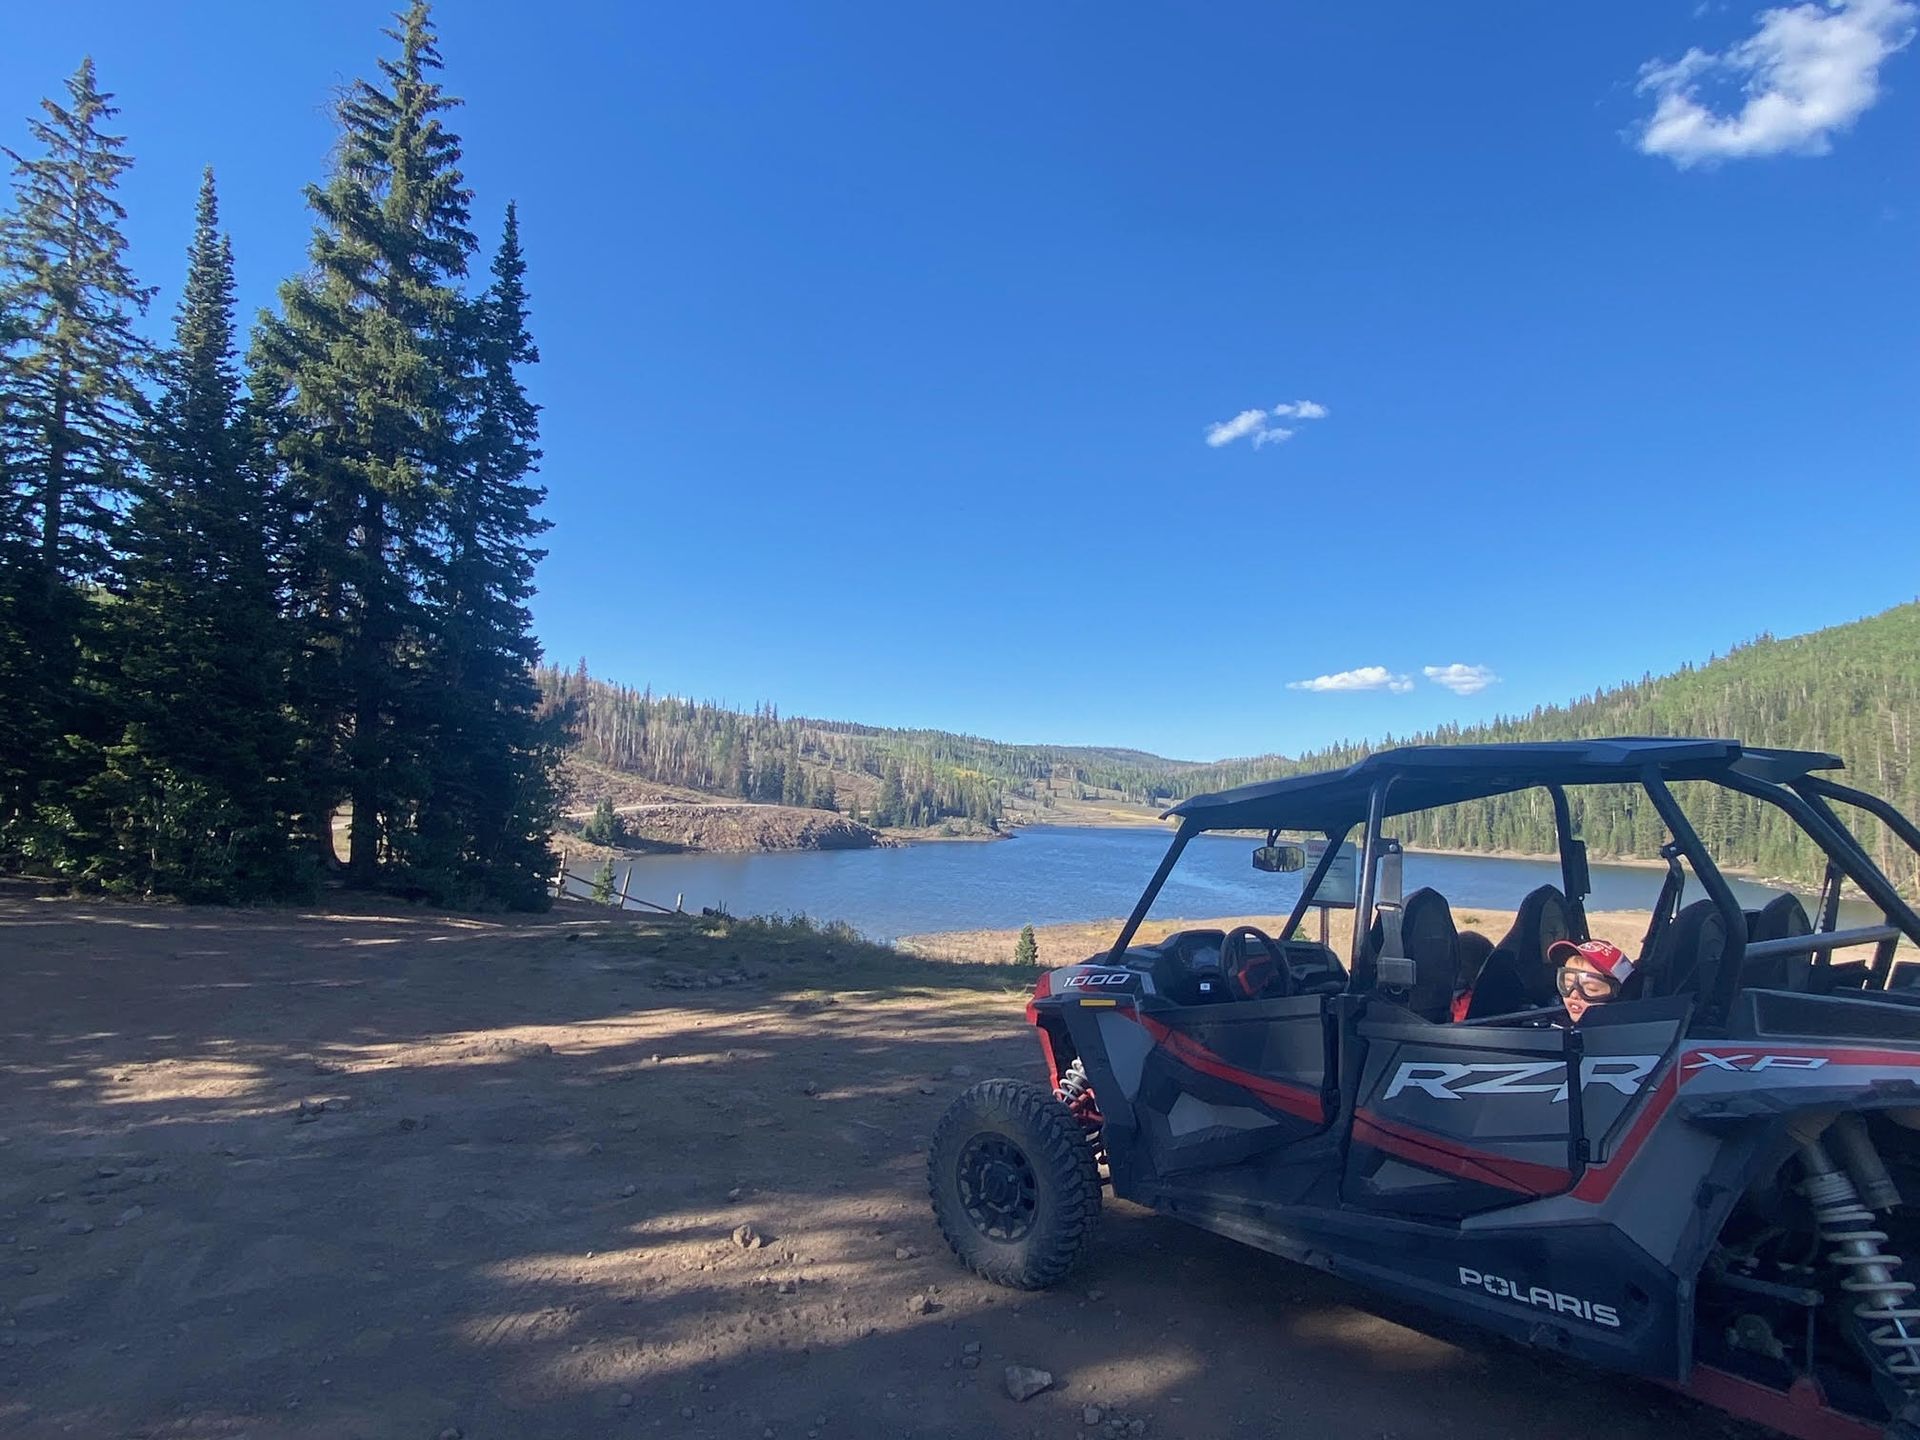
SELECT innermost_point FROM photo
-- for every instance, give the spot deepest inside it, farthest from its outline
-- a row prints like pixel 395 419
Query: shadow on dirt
pixel 391 1175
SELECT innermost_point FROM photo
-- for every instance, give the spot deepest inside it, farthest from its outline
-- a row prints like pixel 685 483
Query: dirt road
pixel 395 1175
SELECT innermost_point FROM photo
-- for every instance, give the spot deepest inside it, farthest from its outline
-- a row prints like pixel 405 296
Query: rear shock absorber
pixel 1075 1091
pixel 1889 1322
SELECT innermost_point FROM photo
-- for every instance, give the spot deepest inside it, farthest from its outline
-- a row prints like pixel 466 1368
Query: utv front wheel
pixel 1014 1184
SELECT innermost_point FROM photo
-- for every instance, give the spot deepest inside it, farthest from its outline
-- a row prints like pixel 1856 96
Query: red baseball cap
pixel 1609 960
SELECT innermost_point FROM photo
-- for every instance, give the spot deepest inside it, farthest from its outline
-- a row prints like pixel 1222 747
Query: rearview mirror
pixel 1280 859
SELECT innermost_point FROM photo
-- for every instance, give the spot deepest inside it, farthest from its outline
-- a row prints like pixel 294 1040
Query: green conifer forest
pixel 1853 689
pixel 248 586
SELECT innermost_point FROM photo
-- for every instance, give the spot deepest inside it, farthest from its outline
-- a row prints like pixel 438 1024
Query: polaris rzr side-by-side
pixel 1710 1181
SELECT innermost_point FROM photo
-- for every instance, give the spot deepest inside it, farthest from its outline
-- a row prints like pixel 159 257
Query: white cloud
pixel 1247 422
pixel 1367 677
pixel 1808 72
pixel 1255 423
pixel 1461 679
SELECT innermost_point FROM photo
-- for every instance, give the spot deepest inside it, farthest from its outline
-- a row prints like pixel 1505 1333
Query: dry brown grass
pixel 1070 944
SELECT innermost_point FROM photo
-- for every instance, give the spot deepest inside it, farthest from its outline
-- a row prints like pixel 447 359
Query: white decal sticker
pixel 1750 1064
pixel 1561 1304
pixel 1624 1073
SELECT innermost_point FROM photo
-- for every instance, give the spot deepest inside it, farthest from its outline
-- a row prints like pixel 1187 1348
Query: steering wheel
pixel 1254 977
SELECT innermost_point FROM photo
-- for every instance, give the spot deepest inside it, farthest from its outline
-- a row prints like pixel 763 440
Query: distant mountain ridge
pixel 1853 689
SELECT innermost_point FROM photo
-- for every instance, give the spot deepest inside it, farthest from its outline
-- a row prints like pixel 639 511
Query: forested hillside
pixel 1853 689
pixel 885 777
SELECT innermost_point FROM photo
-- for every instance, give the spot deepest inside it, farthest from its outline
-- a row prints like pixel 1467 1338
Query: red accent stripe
pixel 1599 1180
pixel 1432 1152
pixel 1801 1412
pixel 1290 1099
pixel 1046 1048
pixel 1899 1059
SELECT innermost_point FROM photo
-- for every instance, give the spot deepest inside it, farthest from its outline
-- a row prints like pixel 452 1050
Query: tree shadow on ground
pixel 393 1175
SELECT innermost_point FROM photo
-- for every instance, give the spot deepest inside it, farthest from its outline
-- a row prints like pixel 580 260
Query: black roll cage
pixel 1804 798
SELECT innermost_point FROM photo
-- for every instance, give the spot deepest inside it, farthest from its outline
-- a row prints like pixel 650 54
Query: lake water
pixel 1052 875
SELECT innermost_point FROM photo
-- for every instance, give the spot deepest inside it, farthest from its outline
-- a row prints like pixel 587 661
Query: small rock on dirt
pixel 452 1432
pixel 1024 1382
pixel 1091 1415
pixel 627 1192
pixel 748 1238
pixel 928 1090
pixel 625 1402
pixel 904 1252
pixel 128 1215
pixel 960 1072
pixel 972 1347
pixel 1096 1295
pixel 969 1362
pixel 77 1227
pixel 922 1304
pixel 810 1088
pixel 735 1193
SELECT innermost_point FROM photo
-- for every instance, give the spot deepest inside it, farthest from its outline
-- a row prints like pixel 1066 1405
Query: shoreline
pixel 574 846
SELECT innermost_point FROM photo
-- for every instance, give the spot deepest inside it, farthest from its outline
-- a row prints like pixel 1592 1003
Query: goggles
pixel 1591 984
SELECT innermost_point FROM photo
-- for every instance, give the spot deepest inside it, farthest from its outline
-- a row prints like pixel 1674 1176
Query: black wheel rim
pixel 997 1187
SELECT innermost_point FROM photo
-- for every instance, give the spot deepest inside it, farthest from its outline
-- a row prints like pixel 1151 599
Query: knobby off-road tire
pixel 1014 1184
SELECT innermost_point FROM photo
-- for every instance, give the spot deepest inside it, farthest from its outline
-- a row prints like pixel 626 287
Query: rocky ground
pixel 390 1174
pixel 729 827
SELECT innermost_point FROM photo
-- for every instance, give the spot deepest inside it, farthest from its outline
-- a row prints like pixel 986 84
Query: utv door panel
pixel 1625 1060
pixel 1451 1120
pixel 1225 1082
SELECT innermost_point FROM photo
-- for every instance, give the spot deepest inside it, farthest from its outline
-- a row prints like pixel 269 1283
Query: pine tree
pixel 366 377
pixel 493 791
pixel 605 827
pixel 190 797
pixel 891 808
pixel 71 372
pixel 1026 950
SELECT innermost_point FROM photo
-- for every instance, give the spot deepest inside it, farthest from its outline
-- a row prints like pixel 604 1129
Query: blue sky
pixel 883 343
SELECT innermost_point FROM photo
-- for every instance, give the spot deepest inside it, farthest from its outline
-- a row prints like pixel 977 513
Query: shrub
pixel 1026 950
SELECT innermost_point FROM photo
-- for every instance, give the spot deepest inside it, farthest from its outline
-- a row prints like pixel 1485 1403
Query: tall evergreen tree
pixel 71 372
pixel 493 765
pixel 365 371
pixel 190 796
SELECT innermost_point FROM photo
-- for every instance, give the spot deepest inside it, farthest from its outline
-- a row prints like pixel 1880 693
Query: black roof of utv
pixel 1428 775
